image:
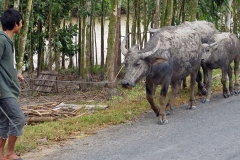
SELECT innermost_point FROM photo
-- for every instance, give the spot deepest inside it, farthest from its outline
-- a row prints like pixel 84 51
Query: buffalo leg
pixel 236 84
pixel 205 73
pixel 175 89
pixel 162 101
pixel 192 86
pixel 230 80
pixel 184 82
pixel 208 85
pixel 201 89
pixel 150 91
pixel 224 82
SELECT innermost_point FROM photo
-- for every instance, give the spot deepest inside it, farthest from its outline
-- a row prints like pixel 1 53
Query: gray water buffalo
pixel 168 56
pixel 206 30
pixel 222 49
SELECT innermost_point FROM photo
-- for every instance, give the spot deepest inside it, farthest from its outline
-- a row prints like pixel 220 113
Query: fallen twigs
pixel 54 111
pixel 50 111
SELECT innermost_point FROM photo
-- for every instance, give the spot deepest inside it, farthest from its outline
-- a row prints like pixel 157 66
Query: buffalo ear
pixel 155 60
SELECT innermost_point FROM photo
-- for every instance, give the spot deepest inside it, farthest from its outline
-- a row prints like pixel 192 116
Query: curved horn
pixel 123 44
pixel 151 29
pixel 213 44
pixel 146 54
pixel 204 45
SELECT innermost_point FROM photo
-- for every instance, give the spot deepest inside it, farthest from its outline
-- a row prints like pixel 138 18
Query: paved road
pixel 211 132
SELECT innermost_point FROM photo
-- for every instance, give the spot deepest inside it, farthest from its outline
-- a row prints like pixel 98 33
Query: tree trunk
pixel 63 54
pixel 118 37
pixel 6 4
pixel 238 15
pixel 39 51
pixel 102 34
pixel 16 4
pixel 134 23
pixel 182 12
pixel 127 22
pixel 193 10
pixel 23 37
pixel 138 16
pixel 157 14
pixel 169 13
pixel 57 54
pixel 50 38
pixel 88 39
pixel 30 57
pixel 79 41
pixel 145 22
pixel 228 17
pixel 83 56
pixel 92 24
pixel 163 15
pixel 235 16
pixel 70 65
pixel 111 60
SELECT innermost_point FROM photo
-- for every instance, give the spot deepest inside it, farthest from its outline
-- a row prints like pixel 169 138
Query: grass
pixel 122 109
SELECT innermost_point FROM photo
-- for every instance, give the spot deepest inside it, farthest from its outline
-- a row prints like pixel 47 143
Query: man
pixel 12 119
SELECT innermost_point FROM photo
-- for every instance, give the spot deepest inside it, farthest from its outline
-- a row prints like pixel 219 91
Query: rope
pixel 27 97
pixel 9 119
pixel 136 73
pixel 77 82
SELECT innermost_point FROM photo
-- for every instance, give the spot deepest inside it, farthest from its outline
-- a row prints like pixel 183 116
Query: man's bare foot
pixel 11 156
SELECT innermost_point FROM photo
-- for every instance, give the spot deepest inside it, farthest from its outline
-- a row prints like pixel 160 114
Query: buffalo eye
pixel 137 63
pixel 207 49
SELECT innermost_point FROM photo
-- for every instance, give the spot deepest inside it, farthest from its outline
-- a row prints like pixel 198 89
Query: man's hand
pixel 20 77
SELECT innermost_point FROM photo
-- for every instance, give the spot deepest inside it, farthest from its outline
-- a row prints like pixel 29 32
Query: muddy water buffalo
pixel 206 30
pixel 221 50
pixel 168 56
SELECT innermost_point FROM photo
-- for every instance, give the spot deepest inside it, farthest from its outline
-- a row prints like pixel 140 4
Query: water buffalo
pixel 168 56
pixel 221 50
pixel 206 30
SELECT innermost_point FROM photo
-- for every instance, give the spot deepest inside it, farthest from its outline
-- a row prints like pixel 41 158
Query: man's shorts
pixel 12 120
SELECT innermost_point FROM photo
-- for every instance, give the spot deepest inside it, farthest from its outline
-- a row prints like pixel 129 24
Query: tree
pixel 111 54
pixel 88 40
pixel 169 12
pixel 16 4
pixel 102 33
pixel 228 17
pixel 23 37
pixel 6 4
pixel 193 4
pixel 157 14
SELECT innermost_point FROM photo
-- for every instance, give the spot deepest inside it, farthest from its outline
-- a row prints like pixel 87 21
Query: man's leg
pixel 2 144
pixel 16 124
pixel 10 153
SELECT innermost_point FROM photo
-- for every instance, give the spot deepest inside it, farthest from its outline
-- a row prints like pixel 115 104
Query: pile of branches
pixel 49 112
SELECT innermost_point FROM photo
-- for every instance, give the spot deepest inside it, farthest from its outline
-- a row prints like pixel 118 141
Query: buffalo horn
pixel 146 54
pixel 151 29
pixel 213 44
pixel 123 44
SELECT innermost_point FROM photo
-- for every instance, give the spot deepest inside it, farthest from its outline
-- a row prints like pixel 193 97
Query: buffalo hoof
pixel 191 107
pixel 162 122
pixel 204 91
pixel 237 91
pixel 206 100
pixel 226 95
pixel 168 113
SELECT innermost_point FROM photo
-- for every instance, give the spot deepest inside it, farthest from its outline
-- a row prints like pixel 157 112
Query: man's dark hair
pixel 9 18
